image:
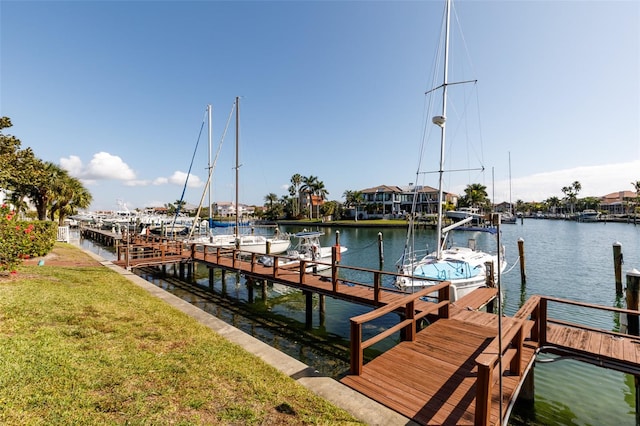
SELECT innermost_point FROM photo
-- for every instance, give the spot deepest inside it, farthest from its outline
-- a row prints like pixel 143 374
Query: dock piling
pixel 617 265
pixel 523 274
pixel 633 288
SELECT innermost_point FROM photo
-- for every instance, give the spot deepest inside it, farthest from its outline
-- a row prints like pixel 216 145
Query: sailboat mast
pixel 210 113
pixel 237 164
pixel 442 124
pixel 510 202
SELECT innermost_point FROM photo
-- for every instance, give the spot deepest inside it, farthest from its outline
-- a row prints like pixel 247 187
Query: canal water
pixel 564 259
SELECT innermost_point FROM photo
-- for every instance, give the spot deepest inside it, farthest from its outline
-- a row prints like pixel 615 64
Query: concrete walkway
pixel 361 407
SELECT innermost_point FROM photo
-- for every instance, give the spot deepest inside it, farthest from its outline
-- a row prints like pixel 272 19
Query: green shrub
pixel 22 239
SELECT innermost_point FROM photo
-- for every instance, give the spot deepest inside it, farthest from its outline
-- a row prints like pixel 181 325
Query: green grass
pixel 83 345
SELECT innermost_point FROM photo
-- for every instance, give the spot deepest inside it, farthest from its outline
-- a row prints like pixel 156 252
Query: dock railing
pixel 279 267
pixel 530 325
pixel 408 325
pixel 149 251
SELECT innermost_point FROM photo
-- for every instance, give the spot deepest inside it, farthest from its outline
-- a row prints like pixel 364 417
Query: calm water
pixel 563 259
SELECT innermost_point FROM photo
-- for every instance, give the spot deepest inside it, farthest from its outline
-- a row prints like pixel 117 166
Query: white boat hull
pixel 258 244
pixel 464 267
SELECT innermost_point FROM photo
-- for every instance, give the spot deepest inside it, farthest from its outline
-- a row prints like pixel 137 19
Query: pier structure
pixel 467 366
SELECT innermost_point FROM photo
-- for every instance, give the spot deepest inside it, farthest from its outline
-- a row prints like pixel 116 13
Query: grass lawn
pixel 80 344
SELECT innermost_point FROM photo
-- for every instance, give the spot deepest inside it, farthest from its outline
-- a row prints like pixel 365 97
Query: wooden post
pixel 617 265
pixel 308 309
pixel 490 279
pixel 249 289
pixel 633 287
pixel 322 308
pixel 211 279
pixel 523 274
pixel 380 250
pixel 527 391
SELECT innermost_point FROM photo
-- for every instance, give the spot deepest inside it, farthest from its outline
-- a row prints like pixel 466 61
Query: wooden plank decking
pixel 432 380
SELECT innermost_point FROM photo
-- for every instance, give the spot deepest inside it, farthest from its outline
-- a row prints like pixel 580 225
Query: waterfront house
pixel 619 203
pixel 386 201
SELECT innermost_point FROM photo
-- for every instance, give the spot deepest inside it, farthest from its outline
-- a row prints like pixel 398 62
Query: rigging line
pixel 477 169
pixel 213 166
pixel 186 181
pixel 512 266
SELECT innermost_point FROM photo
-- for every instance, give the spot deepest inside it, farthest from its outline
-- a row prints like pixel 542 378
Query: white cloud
pixel 73 165
pixel 179 178
pixel 596 181
pixel 160 181
pixel 137 182
pixel 102 166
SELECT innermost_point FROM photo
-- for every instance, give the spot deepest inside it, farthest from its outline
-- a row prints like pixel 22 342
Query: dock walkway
pixel 450 371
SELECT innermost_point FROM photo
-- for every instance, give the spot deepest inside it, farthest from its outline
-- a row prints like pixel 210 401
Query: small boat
pixel 588 215
pixel 259 244
pixel 465 212
pixel 307 248
pixel 508 217
pixel 467 268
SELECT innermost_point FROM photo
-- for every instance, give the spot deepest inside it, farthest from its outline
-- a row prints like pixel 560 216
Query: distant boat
pixel 509 217
pixel 588 215
pixel 259 244
pixel 307 249
pixel 464 213
pixel 465 267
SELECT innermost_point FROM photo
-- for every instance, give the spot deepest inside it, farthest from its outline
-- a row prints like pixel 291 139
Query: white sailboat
pixel 465 267
pixel 251 243
pixel 509 217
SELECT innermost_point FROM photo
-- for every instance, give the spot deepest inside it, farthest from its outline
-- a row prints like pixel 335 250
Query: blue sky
pixel 116 92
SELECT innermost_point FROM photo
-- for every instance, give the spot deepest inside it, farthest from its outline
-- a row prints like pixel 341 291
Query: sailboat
pixel 509 217
pixel 251 243
pixel 466 267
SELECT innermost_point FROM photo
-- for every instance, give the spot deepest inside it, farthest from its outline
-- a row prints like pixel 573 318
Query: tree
pixel 271 213
pixel 571 193
pixel 69 196
pixel 636 187
pixel 41 190
pixel 18 167
pixel 554 203
pixel 353 199
pixel 320 191
pixel 475 195
pixel 294 191
pixel 306 188
pixel 270 198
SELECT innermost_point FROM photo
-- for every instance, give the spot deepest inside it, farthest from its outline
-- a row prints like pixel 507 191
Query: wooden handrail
pixel 489 360
pixel 408 324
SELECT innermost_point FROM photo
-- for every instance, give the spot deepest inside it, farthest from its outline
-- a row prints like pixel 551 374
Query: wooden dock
pixel 456 370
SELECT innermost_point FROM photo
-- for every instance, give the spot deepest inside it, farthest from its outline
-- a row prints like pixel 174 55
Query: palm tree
pixel 69 196
pixel 476 194
pixel 353 199
pixel 319 190
pixel 554 203
pixel 571 193
pixel 42 187
pixel 636 186
pixel 270 198
pixel 307 188
pixel 294 190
